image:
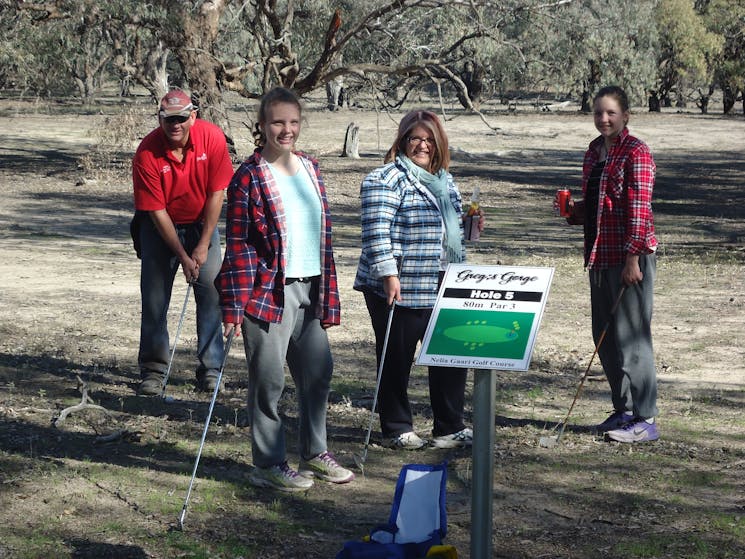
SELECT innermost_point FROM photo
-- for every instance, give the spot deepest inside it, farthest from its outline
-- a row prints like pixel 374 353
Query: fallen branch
pixel 559 514
pixel 85 404
pixel 13 412
pixel 117 494
pixel 123 434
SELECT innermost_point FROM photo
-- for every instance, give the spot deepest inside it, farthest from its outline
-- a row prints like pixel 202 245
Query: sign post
pixel 485 318
pixel 482 477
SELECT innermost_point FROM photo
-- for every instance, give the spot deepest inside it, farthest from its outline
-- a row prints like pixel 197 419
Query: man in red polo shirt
pixel 179 172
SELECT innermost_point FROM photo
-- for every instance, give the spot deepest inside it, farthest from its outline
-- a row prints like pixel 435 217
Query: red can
pixel 562 197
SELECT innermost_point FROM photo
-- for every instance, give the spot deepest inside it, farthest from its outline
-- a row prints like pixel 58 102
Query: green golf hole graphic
pixel 477 333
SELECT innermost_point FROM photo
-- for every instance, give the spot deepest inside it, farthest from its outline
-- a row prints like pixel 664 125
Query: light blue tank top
pixel 302 223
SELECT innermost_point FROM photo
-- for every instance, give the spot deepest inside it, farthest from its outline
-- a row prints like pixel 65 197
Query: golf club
pixel 175 341
pixel 360 460
pixel 228 343
pixel 551 441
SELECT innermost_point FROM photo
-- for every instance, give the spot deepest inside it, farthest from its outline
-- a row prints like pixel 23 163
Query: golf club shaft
pixel 399 267
pixel 175 339
pixel 380 375
pixel 228 343
pixel 594 353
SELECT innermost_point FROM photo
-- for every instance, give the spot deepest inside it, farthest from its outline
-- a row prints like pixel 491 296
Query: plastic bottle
pixel 471 225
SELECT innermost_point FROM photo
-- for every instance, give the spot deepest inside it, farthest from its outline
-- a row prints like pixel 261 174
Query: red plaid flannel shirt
pixel 252 276
pixel 624 220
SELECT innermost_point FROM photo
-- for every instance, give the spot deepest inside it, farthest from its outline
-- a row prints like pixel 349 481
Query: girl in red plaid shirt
pixel 278 289
pixel 620 245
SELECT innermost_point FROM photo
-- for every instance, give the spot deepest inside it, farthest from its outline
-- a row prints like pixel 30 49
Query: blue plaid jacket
pixel 400 217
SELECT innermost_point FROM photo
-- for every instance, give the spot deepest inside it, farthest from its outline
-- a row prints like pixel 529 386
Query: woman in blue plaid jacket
pixel 412 227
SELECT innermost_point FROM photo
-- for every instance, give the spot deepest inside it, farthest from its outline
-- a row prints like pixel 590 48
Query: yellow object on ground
pixel 443 552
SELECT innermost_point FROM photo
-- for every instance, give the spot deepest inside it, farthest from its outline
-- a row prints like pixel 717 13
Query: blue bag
pixel 418 518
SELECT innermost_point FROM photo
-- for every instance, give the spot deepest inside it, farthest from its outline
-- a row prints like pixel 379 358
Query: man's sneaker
pixel 207 380
pixel 616 420
pixel 638 431
pixel 464 437
pixel 325 467
pixel 280 477
pixel 406 441
pixel 151 384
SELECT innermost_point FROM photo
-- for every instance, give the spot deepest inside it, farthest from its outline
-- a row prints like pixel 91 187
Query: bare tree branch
pixel 459 83
pixel 85 404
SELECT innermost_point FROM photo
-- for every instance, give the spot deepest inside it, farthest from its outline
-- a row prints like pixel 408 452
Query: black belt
pixel 306 279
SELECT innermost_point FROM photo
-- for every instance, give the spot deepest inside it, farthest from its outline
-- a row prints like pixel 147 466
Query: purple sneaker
pixel 616 420
pixel 638 431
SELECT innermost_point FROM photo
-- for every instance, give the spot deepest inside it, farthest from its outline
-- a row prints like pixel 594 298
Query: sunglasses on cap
pixel 177 119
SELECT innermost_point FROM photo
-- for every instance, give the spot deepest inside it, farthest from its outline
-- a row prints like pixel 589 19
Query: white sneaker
pixel 280 477
pixel 463 437
pixel 325 467
pixel 407 441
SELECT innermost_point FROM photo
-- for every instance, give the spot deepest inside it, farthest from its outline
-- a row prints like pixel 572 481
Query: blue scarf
pixel 438 187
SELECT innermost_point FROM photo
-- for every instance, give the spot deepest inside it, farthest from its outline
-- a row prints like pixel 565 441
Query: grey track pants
pixel 626 353
pixel 300 340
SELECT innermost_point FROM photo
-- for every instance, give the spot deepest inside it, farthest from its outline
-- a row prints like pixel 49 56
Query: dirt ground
pixel 112 482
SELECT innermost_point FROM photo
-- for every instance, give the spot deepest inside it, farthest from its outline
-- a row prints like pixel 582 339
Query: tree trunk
pixel 594 75
pixel 198 60
pixel 333 93
pixel 156 71
pixel 654 102
pixel 352 141
pixel 729 98
pixel 473 78
pixel 703 103
pixel 125 86
pixel 149 69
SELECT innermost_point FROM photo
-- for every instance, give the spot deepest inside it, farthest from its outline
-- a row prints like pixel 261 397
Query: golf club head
pixel 359 461
pixel 548 442
pixel 561 432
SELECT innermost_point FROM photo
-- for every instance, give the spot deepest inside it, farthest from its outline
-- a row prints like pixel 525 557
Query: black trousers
pixel 447 385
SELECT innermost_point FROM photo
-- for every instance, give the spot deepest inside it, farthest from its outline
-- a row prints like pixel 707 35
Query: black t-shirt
pixel 592 194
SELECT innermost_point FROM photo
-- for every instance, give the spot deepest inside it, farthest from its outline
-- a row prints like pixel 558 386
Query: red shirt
pixel 625 224
pixel 181 187
pixel 252 279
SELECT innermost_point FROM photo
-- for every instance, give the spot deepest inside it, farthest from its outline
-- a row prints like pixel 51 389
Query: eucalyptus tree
pixel 63 56
pixel 688 51
pixel 472 48
pixel 727 19
pixel 583 45
pixel 390 46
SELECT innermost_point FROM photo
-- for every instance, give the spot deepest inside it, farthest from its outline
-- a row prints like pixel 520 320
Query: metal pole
pixel 228 343
pixel 594 353
pixel 175 339
pixel 361 462
pixel 482 482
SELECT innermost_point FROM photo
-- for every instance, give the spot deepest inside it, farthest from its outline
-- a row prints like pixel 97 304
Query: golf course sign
pixel 486 317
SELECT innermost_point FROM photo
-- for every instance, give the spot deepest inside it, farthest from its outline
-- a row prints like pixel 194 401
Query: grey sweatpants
pixel 626 352
pixel 302 342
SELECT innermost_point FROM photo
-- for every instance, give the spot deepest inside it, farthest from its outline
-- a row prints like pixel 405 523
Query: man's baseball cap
pixel 176 103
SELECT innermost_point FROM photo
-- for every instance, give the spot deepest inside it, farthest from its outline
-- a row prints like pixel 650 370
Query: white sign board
pixel 486 317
